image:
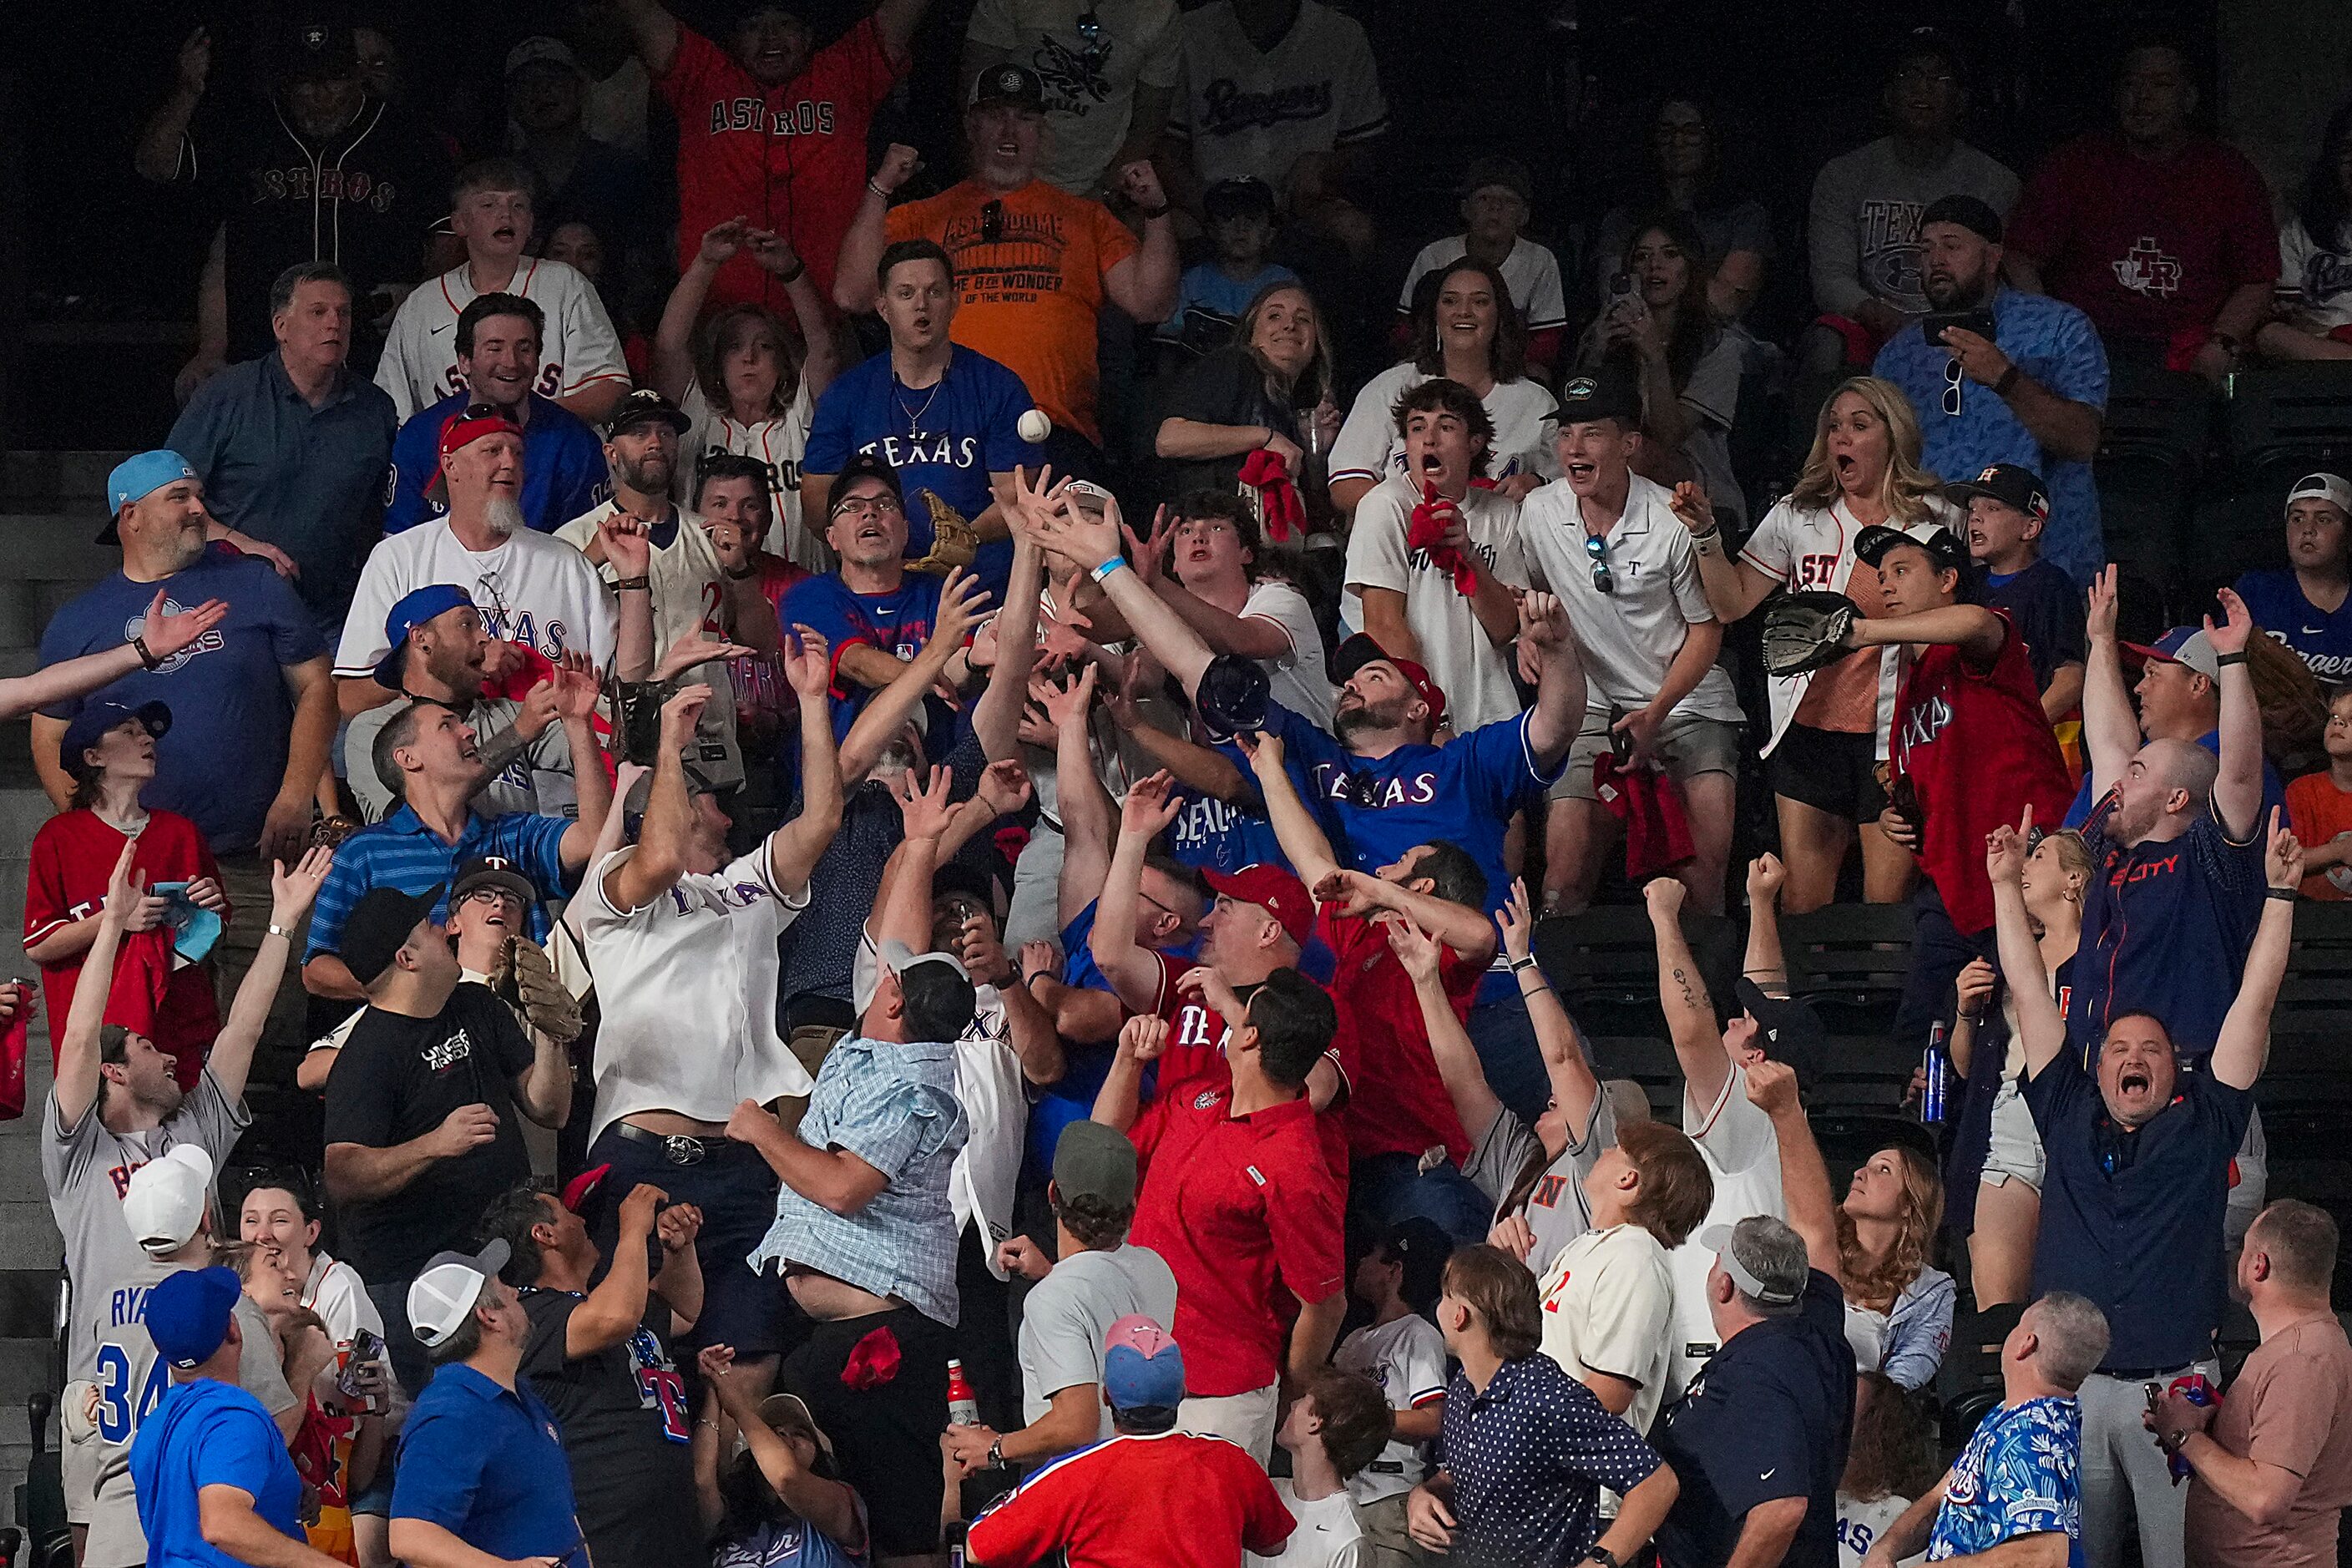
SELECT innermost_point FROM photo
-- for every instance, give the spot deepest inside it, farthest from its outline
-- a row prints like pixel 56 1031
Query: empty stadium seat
pixel 2285 420
pixel 2151 462
pixel 1604 963
pixel 1849 960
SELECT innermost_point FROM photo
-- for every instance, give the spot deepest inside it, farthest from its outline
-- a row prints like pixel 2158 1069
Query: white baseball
pixel 1033 425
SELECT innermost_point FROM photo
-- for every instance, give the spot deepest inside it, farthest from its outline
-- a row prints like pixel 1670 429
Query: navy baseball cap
pixel 1940 544
pixel 865 465
pixel 414 608
pixel 2012 484
pixel 188 1314
pixel 1788 1031
pixel 97 718
pixel 378 927
pixel 1969 212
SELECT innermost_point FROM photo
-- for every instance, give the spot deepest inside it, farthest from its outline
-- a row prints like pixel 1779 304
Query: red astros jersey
pixel 790 159
pixel 1975 745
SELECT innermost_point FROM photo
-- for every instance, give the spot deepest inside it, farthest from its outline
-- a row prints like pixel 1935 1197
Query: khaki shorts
pixel 1688 744
pixel 1247 1419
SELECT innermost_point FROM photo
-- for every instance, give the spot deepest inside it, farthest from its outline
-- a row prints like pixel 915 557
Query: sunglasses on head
pixel 1598 549
pixel 1090 29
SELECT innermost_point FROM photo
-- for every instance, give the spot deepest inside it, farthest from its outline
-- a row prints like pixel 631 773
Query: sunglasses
pixel 992 223
pixel 1598 549
pixel 1090 29
pixel 1952 378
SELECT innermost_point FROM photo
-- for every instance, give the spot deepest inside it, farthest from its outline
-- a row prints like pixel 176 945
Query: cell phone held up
pixel 352 1359
pixel 1935 323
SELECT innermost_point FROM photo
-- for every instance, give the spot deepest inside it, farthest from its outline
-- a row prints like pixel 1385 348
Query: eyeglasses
pixel 490 896
pixel 868 505
pixel 1598 549
pixel 992 223
pixel 1953 374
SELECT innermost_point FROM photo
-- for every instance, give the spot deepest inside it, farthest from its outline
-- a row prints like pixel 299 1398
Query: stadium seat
pixel 1849 960
pixel 1970 1380
pixel 1605 964
pixel 2285 420
pixel 2150 461
pixel 1864 1073
pixel 1649 1061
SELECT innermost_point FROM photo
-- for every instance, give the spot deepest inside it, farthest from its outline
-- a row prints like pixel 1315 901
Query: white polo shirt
pixel 688 984
pixel 1608 1306
pixel 1631 635
pixel 1474 673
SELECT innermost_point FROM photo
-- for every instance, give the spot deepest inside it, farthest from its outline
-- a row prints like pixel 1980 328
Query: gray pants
pixel 1037 893
pixel 2124 1476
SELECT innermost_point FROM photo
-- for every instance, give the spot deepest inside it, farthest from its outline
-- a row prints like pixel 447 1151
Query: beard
pixel 502 515
pixel 1384 715
pixel 649 475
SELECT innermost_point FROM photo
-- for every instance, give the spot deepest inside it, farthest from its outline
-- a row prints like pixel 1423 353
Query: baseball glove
pixel 1805 631
pixel 527 982
pixel 953 542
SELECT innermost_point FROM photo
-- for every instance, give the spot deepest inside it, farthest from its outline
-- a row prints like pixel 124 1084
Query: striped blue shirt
pixel 894 1106
pixel 402 852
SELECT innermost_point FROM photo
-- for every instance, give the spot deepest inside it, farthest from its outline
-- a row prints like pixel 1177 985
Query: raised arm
pixel 674 338
pixel 996 716
pixel 1682 994
pixel 157 156
pixel 161 636
pixel 1132 969
pixel 653 866
pixel 1574 1088
pixel 2041 1028
pixel 1804 1177
pixel 653 31
pixel 291 894
pixel 1559 711
pixel 1092 542
pixel 2110 729
pixel 1145 284
pixel 1765 963
pixel 1473 1098
pixel 1733 587
pixel 1140 1040
pixel 575 705
pixel 2238 785
pixel 1304 843
pixel 829 1505
pixel 78 1058
pixel 962 599
pixel 610 1313
pixel 793 848
pixel 2243 1045
pixel 855 285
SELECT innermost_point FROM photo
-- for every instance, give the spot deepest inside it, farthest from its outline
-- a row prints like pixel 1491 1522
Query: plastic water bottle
pixel 963 1408
pixel 1937 1066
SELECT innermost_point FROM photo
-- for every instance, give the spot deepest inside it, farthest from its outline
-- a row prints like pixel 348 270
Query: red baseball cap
pixel 1361 650
pixel 582 1187
pixel 1271 889
pixel 460 430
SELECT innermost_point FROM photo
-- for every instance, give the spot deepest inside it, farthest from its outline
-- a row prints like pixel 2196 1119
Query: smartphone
pixel 1978 321
pixel 1621 286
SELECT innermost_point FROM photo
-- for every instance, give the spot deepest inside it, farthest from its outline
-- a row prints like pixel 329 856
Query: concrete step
pixel 58 476
pixel 57 544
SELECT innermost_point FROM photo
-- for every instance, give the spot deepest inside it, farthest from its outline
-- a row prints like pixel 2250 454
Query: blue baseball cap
pixel 136 479
pixel 97 718
pixel 414 610
pixel 188 1313
pixel 1141 1365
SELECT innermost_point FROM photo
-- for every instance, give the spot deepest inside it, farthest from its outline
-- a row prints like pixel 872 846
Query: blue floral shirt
pixel 2019 1475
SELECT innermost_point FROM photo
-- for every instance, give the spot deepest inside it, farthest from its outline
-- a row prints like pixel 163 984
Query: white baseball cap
pixel 444 1295
pixel 2333 488
pixel 898 958
pixel 164 1203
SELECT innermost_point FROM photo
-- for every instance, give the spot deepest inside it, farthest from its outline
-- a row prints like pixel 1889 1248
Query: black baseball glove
pixel 1805 631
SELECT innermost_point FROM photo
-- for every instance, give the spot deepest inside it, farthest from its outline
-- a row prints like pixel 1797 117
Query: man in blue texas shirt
pixel 2034 393
pixel 876 615
pixel 564 473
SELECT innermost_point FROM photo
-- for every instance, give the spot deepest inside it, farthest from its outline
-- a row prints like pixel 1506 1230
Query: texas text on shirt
pixel 531 589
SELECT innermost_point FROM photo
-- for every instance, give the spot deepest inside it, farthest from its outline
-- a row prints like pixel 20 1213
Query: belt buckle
pixel 680 1150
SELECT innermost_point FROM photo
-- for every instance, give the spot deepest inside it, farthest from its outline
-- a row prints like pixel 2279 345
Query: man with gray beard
pixel 530 590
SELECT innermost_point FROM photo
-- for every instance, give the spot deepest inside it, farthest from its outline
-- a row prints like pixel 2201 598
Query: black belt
pixel 680 1148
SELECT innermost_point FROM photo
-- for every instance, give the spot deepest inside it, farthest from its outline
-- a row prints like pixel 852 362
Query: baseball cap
pixel 378 927
pixel 1967 212
pixel 1361 650
pixel 164 1203
pixel 2182 644
pixel 1509 172
pixel 316 46
pixel 135 479
pixel 1788 1030
pixel 2011 484
pixel 582 1187
pixel 461 430
pixel 1605 395
pixel 1092 1161
pixel 95 719
pixel 1942 546
pixel 188 1312
pixel 414 608
pixel 492 871
pixel 865 465
pixel 898 958
pixel 1008 84
pixel 1758 1255
pixel 646 406
pixel 1142 1366
pixel 1241 197
pixel 1231 694
pixel 789 1412
pixel 1931 43
pixel 444 1295
pixel 2333 488
pixel 1271 889
pixel 542 49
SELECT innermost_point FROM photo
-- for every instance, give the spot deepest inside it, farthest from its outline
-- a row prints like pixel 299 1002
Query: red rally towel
pixel 1657 833
pixel 1277 497
pixel 1426 532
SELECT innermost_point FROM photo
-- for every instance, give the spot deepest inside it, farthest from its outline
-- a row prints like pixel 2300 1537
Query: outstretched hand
pixel 2283 862
pixel 1151 805
pixel 2237 626
pixel 924 807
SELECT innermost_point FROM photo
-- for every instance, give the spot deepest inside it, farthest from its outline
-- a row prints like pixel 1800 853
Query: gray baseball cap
pixel 1765 1258
pixel 1091 1160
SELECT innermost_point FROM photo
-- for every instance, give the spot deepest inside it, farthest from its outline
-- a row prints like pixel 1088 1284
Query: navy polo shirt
pixel 487 1464
pixel 1528 1456
pixel 1768 1417
pixel 2132 1220
pixel 311 481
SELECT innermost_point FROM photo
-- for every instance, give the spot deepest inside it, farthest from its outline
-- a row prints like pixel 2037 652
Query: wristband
pixel 876 189
pixel 1971 1019
pixel 745 575
pixel 276 929
pixel 2237 658
pixel 799 272
pixel 644 585
pixel 1521 965
pixel 2009 379
pixel 1102 573
pixel 2284 895
pixel 146 655
pixel 1152 212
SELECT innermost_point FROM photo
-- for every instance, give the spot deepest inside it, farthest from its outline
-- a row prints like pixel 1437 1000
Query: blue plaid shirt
pixel 893 1106
pixel 2019 1475
pixel 402 852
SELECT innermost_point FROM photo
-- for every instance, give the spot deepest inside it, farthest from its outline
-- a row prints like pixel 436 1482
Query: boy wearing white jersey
pixel 1401 1352
pixel 580 365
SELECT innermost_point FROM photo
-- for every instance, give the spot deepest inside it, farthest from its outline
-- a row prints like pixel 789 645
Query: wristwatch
pixel 1602 1555
pixel 996 1455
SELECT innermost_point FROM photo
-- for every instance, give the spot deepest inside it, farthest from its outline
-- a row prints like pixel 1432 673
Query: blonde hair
pixel 1878 1285
pixel 1906 488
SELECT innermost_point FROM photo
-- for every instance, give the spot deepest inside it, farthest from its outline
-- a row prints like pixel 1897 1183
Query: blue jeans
pixel 1385 1190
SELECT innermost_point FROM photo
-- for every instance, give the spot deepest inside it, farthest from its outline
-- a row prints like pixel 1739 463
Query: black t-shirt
pixel 363 198
pixel 1768 1416
pixel 2046 609
pixel 398 1078
pixel 1227 387
pixel 626 1425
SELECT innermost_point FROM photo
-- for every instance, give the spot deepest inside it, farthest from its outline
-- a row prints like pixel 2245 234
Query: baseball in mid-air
pixel 1035 427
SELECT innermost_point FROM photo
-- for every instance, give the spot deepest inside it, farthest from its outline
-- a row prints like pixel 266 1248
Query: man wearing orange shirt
pixel 1033 263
